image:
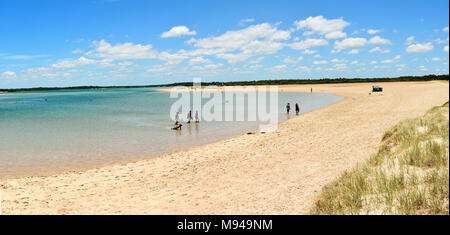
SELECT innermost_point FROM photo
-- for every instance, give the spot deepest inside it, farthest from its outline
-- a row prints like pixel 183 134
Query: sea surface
pixel 48 132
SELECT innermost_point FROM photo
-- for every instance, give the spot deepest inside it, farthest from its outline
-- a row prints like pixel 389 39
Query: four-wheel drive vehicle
pixel 377 89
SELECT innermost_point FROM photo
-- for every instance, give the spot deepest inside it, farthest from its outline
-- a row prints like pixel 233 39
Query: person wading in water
pixel 189 116
pixel 196 117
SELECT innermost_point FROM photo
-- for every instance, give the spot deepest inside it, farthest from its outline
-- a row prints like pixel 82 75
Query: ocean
pixel 48 132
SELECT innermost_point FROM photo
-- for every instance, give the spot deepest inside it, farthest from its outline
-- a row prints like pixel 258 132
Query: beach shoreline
pixel 243 174
pixel 46 168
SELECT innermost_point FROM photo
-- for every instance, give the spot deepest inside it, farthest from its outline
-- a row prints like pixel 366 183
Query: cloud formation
pixel 331 29
pixel 178 31
pixel 350 43
pixel 420 48
pixel 8 74
pixel 373 31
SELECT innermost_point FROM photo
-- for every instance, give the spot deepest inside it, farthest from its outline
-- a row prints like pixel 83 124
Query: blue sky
pixel 120 42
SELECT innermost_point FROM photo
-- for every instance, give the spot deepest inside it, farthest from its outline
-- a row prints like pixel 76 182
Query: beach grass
pixel 409 174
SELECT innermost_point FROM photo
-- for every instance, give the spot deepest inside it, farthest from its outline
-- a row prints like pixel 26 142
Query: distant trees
pixel 255 83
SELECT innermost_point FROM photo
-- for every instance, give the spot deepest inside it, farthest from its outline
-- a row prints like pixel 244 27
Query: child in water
pixel 177 126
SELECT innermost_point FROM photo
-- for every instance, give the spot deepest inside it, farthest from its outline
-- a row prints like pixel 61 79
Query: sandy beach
pixel 280 172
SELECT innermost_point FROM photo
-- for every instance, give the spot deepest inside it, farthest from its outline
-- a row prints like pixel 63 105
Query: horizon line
pixel 349 80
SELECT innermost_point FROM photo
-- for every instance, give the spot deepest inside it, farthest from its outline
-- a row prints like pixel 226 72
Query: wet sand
pixel 280 172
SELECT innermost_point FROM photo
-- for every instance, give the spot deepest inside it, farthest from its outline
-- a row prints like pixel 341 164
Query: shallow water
pixel 53 131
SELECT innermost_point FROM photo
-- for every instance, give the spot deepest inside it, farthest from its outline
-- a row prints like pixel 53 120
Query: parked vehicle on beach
pixel 377 89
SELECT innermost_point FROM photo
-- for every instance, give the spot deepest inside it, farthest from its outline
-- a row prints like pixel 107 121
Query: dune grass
pixel 409 175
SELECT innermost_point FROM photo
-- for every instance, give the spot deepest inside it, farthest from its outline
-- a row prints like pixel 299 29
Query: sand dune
pixel 273 173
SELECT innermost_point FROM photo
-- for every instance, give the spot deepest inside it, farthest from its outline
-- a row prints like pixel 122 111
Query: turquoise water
pixel 48 132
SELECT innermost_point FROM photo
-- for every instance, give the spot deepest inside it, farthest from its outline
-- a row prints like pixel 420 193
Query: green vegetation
pixel 254 83
pixel 409 175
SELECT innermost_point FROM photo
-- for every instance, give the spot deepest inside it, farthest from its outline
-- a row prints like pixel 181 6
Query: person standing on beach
pixel 288 108
pixel 196 117
pixel 297 109
pixel 189 116
pixel 311 89
pixel 176 118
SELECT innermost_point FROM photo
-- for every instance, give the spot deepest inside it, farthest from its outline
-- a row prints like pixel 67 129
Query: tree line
pixel 253 83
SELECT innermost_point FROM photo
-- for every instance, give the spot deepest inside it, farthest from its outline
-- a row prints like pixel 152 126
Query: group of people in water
pixel 178 125
pixel 297 108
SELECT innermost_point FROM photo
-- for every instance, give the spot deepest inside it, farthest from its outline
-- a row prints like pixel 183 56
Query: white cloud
pixel 354 62
pixel 255 66
pixel 160 68
pixel 73 63
pixel 445 29
pixel 130 51
pixel 391 61
pixel 77 51
pixel 208 67
pixel 353 52
pixel 338 67
pixel 400 67
pixel 335 60
pixel 350 43
pixel 382 67
pixel 243 22
pixel 308 52
pixel 305 69
pixel 378 49
pixel 199 60
pixel 125 63
pixel 308 43
pixel 420 48
pixel 21 57
pixel 321 62
pixel 332 29
pixel 234 58
pixel 256 61
pixel 171 58
pixel 122 51
pixel 178 31
pixel 261 39
pixel 9 74
pixel 335 35
pixel 308 33
pixel 423 68
pixel 373 31
pixel 409 40
pixel 379 40
pixel 289 60
pixel 446 48
pixel 277 68
pixel 233 40
pixel 440 41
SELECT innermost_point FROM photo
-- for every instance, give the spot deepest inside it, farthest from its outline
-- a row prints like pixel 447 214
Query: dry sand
pixel 273 173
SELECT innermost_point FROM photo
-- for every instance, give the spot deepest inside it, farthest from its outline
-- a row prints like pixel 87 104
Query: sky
pixel 58 43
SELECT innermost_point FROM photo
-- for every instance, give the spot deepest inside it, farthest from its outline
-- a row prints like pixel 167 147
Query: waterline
pixel 51 132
